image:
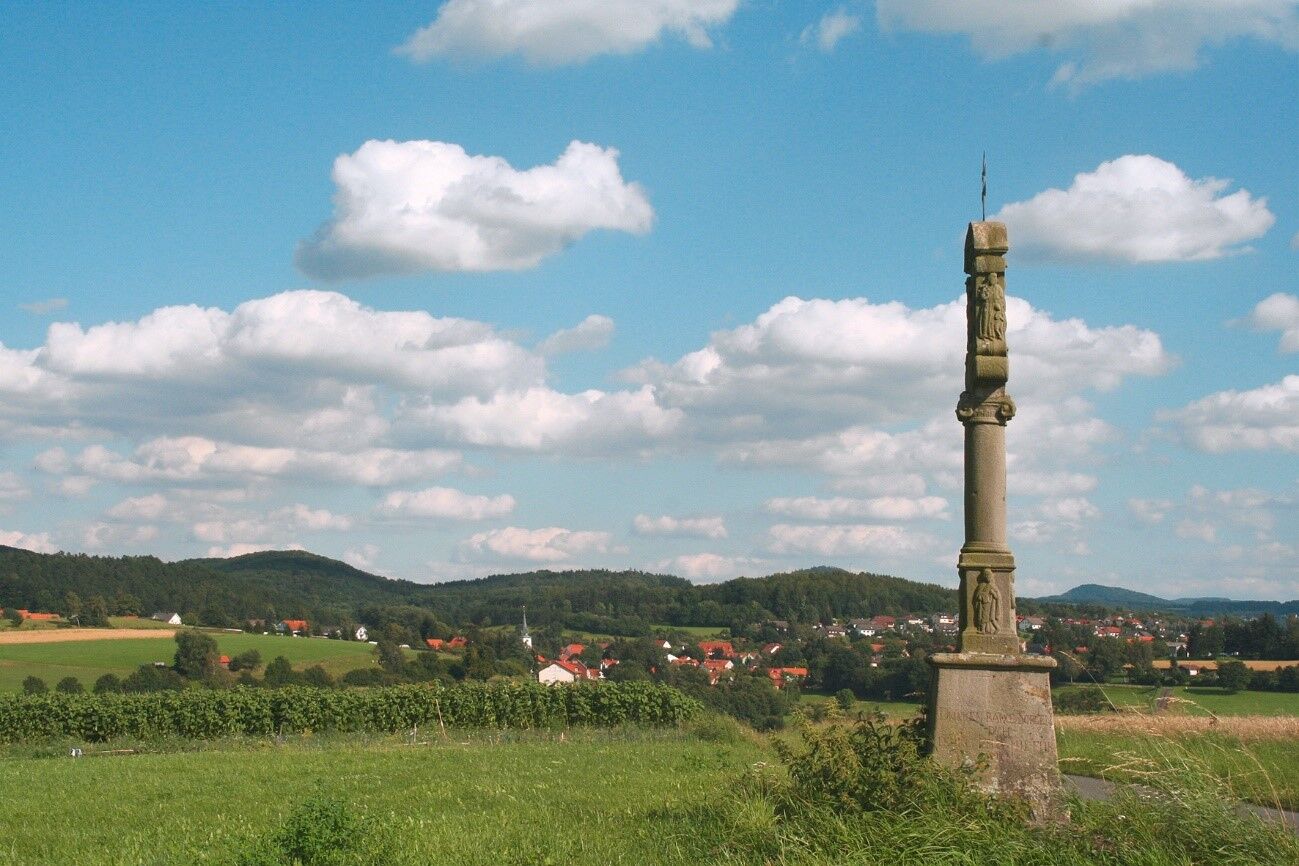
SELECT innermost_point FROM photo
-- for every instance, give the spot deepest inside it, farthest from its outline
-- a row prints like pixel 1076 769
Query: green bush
pixel 108 683
pixel 206 714
pixel 33 685
pixel 717 728
pixel 871 765
pixel 70 686
pixel 1082 699
pixel 322 831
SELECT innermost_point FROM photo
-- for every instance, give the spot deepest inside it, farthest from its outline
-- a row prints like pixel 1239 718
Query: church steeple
pixel 526 637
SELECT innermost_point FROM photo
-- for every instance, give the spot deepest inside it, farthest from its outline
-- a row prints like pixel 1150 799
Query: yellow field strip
pixel 64 635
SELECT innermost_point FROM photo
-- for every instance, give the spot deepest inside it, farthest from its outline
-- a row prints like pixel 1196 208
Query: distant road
pixel 62 635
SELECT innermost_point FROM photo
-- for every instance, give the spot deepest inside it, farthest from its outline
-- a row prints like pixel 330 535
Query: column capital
pixel 993 409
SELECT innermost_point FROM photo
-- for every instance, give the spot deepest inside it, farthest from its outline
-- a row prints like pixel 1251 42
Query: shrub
pixel 70 686
pixel 717 728
pixel 872 765
pixel 108 684
pixel 279 673
pixel 1082 699
pixel 317 676
pixel 151 678
pixel 246 661
pixel 845 698
pixel 323 831
pixel 33 685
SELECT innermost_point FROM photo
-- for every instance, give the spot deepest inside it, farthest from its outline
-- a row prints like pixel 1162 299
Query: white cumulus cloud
pixel 846 539
pixel 841 508
pixel 558 32
pixel 1201 530
pixel 681 527
pixel 1278 312
pixel 445 503
pixel 1101 40
pixel 832 27
pixel 541 419
pixel 412 206
pixel 1136 209
pixel 1150 511
pixel 710 566
pixel 38 542
pixel 593 332
pixel 1259 419
pixel 550 544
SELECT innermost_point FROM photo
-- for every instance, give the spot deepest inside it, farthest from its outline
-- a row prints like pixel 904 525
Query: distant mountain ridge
pixel 1130 599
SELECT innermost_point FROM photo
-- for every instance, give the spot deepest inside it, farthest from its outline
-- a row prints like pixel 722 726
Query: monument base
pixel 997 708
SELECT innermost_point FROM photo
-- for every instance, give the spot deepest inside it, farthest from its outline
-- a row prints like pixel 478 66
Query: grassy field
pixel 138 622
pixel 576 798
pixel 1261 770
pixel 589 798
pixel 88 660
pixel 696 631
pixel 892 709
pixel 1206 701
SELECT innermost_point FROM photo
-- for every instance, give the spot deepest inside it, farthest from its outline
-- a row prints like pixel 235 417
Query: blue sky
pixel 713 337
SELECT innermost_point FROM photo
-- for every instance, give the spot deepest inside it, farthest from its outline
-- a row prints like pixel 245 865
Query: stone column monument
pixel 989 701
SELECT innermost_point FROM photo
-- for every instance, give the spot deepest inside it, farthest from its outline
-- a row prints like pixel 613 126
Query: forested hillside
pixel 293 584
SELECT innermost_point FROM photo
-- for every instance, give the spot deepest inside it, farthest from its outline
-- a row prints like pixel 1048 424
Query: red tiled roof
pixel 434 642
pixel 295 624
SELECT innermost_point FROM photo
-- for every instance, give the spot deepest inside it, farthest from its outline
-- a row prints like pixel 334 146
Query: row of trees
pixel 1264 637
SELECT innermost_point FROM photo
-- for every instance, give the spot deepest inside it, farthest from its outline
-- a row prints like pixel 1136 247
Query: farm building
pixel 566 672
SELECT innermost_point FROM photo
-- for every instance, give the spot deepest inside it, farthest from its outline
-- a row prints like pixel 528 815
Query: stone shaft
pixel 986 565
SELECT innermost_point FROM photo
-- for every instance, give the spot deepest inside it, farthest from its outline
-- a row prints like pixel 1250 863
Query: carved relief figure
pixel 986 604
pixel 990 309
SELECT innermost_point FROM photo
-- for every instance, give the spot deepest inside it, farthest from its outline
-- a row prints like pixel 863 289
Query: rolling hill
pixel 297 584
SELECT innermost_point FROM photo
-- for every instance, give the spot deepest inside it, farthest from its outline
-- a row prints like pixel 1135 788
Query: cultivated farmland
pixel 87 660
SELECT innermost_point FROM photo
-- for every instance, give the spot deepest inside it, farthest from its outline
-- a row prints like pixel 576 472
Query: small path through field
pixel 1089 788
pixel 62 635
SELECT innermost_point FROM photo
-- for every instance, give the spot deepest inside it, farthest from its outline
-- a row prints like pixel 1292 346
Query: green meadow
pixel 574 797
pixel 1260 771
pixel 88 660
pixel 1203 700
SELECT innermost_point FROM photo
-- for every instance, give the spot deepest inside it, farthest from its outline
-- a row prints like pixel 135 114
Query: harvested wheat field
pixel 63 635
pixel 1243 728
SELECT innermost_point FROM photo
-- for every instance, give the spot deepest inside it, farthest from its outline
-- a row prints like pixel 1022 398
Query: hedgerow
pixel 206 714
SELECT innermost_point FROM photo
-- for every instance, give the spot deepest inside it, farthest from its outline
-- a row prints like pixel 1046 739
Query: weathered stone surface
pixel 983 239
pixel 996 708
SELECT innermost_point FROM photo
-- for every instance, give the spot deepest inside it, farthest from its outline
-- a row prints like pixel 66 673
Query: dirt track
pixel 62 635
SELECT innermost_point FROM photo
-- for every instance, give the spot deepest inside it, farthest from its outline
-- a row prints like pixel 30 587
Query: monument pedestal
pixel 998 708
